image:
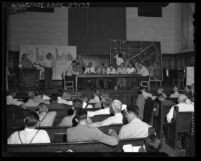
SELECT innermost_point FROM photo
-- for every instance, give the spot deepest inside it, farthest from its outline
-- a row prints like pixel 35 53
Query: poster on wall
pixel 62 55
pixel 189 75
pixel 147 53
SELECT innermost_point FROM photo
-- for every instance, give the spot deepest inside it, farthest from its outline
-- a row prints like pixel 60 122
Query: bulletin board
pixel 147 53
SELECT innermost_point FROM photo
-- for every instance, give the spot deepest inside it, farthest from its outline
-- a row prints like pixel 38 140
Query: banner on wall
pixel 62 55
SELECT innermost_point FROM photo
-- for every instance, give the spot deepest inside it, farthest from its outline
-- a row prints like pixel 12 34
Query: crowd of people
pixel 78 67
pixel 78 119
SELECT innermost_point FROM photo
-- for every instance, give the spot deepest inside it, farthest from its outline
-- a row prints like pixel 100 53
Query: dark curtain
pixel 91 29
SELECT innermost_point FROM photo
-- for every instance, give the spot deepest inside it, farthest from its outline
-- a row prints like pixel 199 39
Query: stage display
pixel 148 53
pixel 63 55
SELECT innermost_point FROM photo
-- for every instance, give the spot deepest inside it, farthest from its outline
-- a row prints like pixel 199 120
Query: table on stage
pixel 85 76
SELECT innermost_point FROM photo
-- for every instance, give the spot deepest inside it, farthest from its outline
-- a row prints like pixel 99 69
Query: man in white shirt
pixel 116 119
pixel 182 107
pixel 33 101
pixel 48 65
pixel 119 59
pixel 30 134
pixel 135 128
pixel 45 118
pixel 11 100
pixel 143 70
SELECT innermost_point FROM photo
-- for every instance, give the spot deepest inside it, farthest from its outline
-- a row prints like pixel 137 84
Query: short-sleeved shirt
pixel 119 60
pixel 135 129
pixel 143 71
pixel 182 107
pixel 47 119
pixel 12 101
pixel 174 95
pixel 83 132
pixel 26 136
pixel 49 63
pixel 116 119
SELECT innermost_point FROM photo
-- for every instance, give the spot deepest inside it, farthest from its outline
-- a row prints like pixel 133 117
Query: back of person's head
pixel 31 94
pixel 54 96
pixel 42 108
pixel 116 106
pixel 107 103
pixel 175 88
pixel 77 103
pixel 141 89
pixel 153 143
pixel 182 98
pixel 133 109
pixel 70 112
pixel 31 119
pixel 81 114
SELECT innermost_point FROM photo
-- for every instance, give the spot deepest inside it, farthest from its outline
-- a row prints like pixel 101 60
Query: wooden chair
pixel 68 82
pixel 180 124
pixel 145 83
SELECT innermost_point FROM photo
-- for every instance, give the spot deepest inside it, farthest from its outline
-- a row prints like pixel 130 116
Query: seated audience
pixel 65 98
pixel 11 100
pixel 30 134
pixel 67 121
pixel 116 119
pixel 111 70
pixel 135 128
pixel 83 132
pixel 161 94
pixel 54 104
pixel 96 97
pixel 42 97
pixel 188 92
pixel 176 92
pixel 182 107
pixel 45 118
pixel 77 104
pixel 152 144
pixel 33 101
pixel 89 69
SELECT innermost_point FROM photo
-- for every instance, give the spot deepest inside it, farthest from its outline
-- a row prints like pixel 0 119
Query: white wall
pixel 35 28
pixel 166 29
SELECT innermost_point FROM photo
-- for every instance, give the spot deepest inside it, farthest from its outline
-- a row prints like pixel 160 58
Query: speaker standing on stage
pixel 48 65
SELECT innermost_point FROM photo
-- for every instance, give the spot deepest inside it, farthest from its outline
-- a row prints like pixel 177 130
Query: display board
pixel 147 53
pixel 189 75
pixel 62 55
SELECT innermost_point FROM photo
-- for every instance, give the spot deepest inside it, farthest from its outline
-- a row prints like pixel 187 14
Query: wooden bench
pixel 181 123
pixel 160 116
pixel 89 146
pixel 59 131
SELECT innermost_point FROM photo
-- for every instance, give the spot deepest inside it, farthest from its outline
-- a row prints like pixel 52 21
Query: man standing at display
pixel 48 65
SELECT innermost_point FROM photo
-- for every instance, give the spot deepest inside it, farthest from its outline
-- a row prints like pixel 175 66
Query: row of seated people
pixel 75 69
pixel 84 132
pixel 98 100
